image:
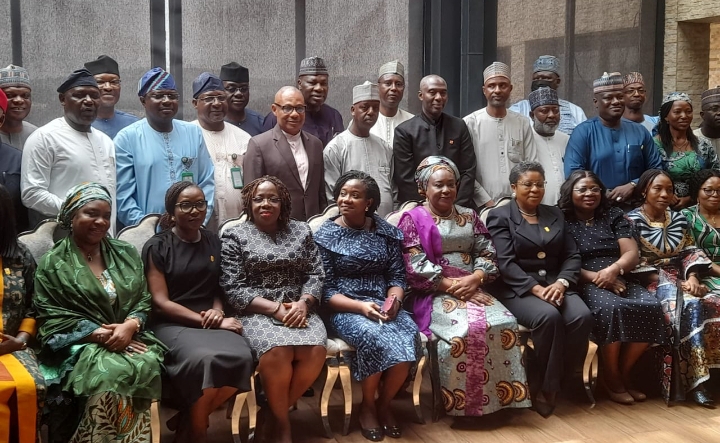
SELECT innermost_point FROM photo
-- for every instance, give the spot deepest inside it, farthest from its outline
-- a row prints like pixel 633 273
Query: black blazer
pixel 416 139
pixel 531 254
pixel 269 154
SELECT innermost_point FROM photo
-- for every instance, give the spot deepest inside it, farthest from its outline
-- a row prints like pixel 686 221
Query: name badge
pixel 187 176
pixel 237 177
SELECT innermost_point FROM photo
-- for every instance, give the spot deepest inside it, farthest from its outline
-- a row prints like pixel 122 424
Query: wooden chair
pixel 137 236
pixel 590 366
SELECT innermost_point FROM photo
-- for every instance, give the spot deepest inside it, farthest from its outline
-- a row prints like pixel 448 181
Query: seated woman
pixel 666 244
pixel 207 360
pixel 627 317
pixel 703 224
pixel 273 276
pixel 22 389
pixel 364 271
pixel 449 259
pixel 682 153
pixel 101 369
pixel 539 260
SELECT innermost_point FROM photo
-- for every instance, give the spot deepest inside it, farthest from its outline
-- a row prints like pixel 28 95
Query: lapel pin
pixel 212 258
pixel 451 142
pixel 547 229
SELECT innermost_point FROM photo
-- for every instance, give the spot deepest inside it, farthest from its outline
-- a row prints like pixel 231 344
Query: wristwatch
pixel 564 282
pixel 307 301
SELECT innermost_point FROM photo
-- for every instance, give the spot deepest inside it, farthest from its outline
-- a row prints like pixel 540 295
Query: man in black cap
pixel 321 120
pixel 236 81
pixel 67 151
pixel 106 73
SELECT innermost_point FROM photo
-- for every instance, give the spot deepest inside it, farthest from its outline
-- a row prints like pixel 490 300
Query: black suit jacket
pixel 531 254
pixel 269 154
pixel 416 139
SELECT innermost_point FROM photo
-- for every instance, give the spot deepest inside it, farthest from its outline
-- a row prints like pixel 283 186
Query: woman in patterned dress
pixel 364 268
pixel 273 276
pixel 101 369
pixel 682 153
pixel 704 224
pixel 449 259
pixel 627 317
pixel 666 244
pixel 19 419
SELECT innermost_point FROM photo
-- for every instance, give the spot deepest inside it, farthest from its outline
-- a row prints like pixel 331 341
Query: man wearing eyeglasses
pixel 107 74
pixel 710 113
pixel 157 151
pixel 236 81
pixel 226 143
pixel 291 154
pixel 67 151
pixel 321 120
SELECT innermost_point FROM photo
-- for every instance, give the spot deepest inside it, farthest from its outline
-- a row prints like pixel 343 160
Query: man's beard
pixel 544 128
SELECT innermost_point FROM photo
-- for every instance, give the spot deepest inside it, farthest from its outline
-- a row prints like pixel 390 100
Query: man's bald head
pixel 433 95
pixel 289 109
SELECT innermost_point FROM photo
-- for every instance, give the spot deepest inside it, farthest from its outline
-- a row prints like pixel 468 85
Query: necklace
pixel 348 225
pixel 682 147
pixel 442 217
pixel 650 219
pixel 588 221
pixel 709 217
pixel 527 213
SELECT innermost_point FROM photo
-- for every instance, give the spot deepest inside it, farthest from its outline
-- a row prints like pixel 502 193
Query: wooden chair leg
pixel 252 411
pixel 236 412
pixel 332 375
pixel 590 369
pixel 346 382
pixel 155 421
pixel 416 388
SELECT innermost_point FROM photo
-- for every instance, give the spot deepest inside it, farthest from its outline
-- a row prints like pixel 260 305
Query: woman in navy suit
pixel 540 264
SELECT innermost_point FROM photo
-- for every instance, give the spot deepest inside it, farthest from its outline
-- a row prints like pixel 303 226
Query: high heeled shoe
pixel 624 398
pixel 636 395
pixel 702 398
pixel 392 431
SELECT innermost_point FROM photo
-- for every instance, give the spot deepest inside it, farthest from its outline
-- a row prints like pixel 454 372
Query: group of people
pixel 609 234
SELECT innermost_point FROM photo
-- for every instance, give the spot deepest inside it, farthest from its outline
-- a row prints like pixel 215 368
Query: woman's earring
pixel 514 195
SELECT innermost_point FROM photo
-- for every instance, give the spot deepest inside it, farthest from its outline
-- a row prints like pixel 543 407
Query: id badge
pixel 237 177
pixel 187 176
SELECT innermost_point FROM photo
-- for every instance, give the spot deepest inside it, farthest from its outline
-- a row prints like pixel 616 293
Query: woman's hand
pixel 135 347
pixel 465 287
pixel 693 287
pixel 618 287
pixel 392 313
pixel 481 299
pixel 681 203
pixel 554 294
pixel 296 316
pixel 232 324
pixel 605 278
pixel 371 310
pixel 10 344
pixel 212 318
pixel 122 334
pixel 100 336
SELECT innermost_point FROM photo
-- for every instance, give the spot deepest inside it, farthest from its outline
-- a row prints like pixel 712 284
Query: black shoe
pixel 392 431
pixel 374 434
pixel 309 393
pixel 703 399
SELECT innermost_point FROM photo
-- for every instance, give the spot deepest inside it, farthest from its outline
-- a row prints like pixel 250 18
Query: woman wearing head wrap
pixel 17 328
pixel 208 360
pixel 539 260
pixel 682 153
pixel 102 370
pixel 450 259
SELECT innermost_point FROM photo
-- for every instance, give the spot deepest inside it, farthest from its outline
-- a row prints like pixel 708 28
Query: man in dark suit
pixel 290 154
pixel 433 132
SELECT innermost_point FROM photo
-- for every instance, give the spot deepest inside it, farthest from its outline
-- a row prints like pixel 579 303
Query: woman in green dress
pixel 22 388
pixel 102 370
pixel 704 221
pixel 682 153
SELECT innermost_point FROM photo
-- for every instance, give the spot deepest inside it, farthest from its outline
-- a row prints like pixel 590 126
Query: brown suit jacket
pixel 269 154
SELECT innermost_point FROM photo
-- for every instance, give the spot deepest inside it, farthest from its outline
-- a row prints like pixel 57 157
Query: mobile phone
pixel 388 305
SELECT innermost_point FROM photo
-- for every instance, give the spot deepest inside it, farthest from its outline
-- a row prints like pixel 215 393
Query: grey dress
pixel 255 265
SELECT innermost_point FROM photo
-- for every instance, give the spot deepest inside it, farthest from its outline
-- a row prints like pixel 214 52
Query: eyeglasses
pixel 113 84
pixel 232 90
pixel 710 191
pixel 287 109
pixel 529 185
pixel 632 91
pixel 261 200
pixel 186 207
pixel 170 96
pixel 593 190
pixel 210 99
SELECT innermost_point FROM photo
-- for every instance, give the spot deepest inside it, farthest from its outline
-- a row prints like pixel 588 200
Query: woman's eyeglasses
pixel 710 191
pixel 593 190
pixel 188 207
pixel 529 185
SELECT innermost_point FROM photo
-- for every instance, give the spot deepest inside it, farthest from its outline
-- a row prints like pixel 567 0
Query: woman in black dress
pixel 208 360
pixel 627 317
